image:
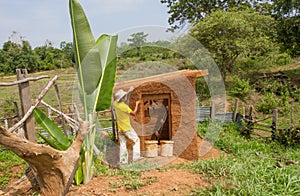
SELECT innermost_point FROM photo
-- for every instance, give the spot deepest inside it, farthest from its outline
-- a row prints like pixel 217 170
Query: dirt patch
pixel 165 181
pixel 162 181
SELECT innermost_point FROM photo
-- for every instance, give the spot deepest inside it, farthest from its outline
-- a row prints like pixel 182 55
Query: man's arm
pixel 133 113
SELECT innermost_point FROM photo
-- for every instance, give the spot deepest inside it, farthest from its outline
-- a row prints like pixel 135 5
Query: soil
pixel 164 180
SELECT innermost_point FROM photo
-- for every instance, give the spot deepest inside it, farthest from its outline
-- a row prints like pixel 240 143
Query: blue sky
pixel 41 20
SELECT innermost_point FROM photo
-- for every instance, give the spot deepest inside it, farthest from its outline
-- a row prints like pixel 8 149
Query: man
pixel 123 112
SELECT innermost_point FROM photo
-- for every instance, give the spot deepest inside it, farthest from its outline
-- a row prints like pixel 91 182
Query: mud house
pixel 168 109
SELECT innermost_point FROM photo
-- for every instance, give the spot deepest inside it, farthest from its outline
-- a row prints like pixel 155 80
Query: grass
pixel 251 167
pixel 65 83
pixel 9 161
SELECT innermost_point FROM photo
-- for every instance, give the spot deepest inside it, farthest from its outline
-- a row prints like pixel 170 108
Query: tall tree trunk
pixel 54 169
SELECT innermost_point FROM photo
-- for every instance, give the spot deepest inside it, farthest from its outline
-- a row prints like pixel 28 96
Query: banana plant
pixel 96 69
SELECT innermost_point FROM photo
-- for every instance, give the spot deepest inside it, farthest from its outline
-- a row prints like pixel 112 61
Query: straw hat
pixel 120 94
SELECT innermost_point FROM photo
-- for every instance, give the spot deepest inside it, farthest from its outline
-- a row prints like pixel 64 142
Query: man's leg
pixel 136 146
pixel 123 149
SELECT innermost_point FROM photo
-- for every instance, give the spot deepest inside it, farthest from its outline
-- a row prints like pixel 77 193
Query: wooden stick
pixel 22 81
pixel 256 121
pixel 73 123
pixel 274 123
pixel 37 101
pixel 292 114
pixel 60 106
pixel 264 125
pixel 236 105
pixel 17 110
pixel 263 129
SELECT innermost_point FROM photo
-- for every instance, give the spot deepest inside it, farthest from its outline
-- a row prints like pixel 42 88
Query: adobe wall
pixel 183 112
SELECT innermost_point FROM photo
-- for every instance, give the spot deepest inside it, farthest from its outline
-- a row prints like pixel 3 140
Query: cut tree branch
pixel 22 81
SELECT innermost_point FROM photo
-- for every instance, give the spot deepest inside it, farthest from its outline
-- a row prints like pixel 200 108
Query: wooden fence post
pixel 292 114
pixel 250 124
pixel 25 98
pixel 236 105
pixel 274 122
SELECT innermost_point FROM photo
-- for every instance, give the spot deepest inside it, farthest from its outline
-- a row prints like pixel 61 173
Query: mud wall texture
pixel 178 92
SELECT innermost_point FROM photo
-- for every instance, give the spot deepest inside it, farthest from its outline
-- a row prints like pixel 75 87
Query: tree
pixel 288 30
pixel 52 58
pixel 286 8
pixel 137 40
pixel 67 48
pixel 17 56
pixel 193 11
pixel 287 14
pixel 229 35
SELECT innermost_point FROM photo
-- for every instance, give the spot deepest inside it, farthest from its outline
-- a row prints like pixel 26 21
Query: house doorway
pixel 156 116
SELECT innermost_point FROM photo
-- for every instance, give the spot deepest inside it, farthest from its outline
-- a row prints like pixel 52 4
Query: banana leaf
pixel 87 58
pixel 58 139
pixel 107 47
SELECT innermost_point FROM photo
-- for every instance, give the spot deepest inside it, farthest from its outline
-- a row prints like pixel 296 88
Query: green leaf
pixel 51 142
pixel 79 174
pixel 52 129
pixel 107 46
pixel 86 54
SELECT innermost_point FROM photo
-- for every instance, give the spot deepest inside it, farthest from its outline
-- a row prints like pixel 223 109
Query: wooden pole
pixel 292 114
pixel 236 105
pixel 274 123
pixel 71 116
pixel 114 123
pixel 25 98
pixel 250 124
pixel 60 107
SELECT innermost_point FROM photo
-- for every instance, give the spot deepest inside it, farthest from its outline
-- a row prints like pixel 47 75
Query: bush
pixel 282 59
pixel 241 88
pixel 268 103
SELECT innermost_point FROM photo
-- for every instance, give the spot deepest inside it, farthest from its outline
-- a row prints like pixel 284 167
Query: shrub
pixel 268 103
pixel 282 59
pixel 241 88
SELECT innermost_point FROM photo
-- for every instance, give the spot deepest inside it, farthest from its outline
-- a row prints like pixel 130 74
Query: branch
pixel 22 81
pixel 73 123
pixel 37 101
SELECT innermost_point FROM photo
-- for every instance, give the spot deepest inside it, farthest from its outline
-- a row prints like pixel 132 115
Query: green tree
pixel 137 40
pixel 67 48
pixel 284 8
pixel 54 58
pixel 193 11
pixel 233 34
pixel 288 30
pixel 17 56
pixel 287 14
